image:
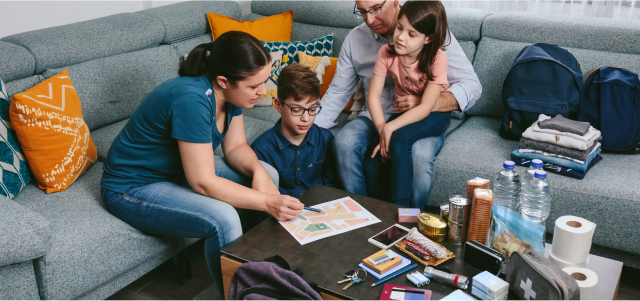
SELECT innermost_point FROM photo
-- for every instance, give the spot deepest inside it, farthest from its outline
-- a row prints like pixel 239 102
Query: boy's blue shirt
pixel 300 167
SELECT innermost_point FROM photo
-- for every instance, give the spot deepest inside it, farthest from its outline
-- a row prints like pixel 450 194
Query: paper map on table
pixel 341 215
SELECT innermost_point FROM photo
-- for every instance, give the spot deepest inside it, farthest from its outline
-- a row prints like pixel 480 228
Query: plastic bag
pixel 513 232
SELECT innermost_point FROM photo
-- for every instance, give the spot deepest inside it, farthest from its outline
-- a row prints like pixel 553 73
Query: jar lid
pixel 460 200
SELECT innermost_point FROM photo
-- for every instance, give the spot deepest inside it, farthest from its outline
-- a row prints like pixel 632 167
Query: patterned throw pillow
pixel 277 59
pixel 318 47
pixel 14 172
pixel 51 129
pixel 317 64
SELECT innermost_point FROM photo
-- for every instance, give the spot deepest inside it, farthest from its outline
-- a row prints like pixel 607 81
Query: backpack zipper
pixel 564 286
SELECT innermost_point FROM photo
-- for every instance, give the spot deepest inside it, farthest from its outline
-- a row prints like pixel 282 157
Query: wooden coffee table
pixel 324 261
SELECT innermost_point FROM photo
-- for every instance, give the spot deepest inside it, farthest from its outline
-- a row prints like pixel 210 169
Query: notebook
pixel 398 292
pixel 405 262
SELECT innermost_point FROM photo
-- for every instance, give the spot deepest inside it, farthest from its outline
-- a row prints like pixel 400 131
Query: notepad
pixel 405 262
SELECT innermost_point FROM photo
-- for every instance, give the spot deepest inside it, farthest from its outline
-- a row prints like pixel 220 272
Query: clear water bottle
pixel 506 187
pixel 536 203
pixel 527 176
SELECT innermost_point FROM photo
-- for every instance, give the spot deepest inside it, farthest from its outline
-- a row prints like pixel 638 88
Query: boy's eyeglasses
pixel 299 111
pixel 361 14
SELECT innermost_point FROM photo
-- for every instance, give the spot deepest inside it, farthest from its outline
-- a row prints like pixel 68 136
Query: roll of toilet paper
pixel 563 264
pixel 587 281
pixel 572 239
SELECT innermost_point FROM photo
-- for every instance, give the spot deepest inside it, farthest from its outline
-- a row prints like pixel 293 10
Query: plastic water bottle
pixel 536 204
pixel 506 187
pixel 527 176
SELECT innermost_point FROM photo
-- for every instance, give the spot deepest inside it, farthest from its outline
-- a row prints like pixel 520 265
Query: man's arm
pixel 343 85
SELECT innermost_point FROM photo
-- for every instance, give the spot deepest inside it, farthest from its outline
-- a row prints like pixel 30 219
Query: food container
pixel 455 233
pixel 459 209
pixel 444 211
pixel 432 226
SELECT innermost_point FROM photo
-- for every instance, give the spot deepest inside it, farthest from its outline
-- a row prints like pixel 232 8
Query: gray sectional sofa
pixel 66 245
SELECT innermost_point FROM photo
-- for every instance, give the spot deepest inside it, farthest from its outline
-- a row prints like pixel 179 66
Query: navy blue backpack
pixel 611 103
pixel 544 79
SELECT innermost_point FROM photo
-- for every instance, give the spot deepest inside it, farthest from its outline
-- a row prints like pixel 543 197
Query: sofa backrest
pixel 594 42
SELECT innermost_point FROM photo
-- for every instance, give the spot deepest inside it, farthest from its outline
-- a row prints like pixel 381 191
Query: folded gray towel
pixel 561 124
pixel 556 149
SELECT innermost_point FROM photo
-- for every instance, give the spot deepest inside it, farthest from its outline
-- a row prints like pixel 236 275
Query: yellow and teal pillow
pixel 318 47
pixel 13 166
pixel 277 59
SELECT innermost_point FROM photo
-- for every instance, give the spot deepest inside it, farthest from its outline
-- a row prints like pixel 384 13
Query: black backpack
pixel 544 79
pixel 611 103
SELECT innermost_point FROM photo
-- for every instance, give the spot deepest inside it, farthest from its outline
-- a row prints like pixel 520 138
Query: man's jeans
pixel 362 175
pixel 170 209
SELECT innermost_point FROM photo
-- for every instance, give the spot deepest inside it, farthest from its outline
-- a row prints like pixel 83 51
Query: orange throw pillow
pixel 276 28
pixel 329 72
pixel 49 124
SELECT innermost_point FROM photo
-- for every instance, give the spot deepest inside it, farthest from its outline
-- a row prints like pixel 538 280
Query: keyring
pixel 365 273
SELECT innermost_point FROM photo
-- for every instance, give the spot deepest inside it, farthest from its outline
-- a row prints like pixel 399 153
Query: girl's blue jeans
pixel 171 209
pixel 400 149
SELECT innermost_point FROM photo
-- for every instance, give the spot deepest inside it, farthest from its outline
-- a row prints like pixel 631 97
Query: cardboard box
pixel 408 215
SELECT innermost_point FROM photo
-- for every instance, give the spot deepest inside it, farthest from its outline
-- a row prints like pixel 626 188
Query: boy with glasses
pixel 299 150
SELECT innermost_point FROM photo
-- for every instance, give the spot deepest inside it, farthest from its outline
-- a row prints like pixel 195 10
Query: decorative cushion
pixel 14 172
pixel 327 78
pixel 316 63
pixel 51 129
pixel 318 47
pixel 272 28
pixel 271 84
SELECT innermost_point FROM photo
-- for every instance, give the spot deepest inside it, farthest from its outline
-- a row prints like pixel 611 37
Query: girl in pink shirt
pixel 418 66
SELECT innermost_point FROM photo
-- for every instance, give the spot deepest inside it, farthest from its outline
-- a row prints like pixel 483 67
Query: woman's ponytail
pixel 235 55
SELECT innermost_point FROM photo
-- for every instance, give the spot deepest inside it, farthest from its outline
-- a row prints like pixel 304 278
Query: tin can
pixel 432 226
pixel 444 211
pixel 455 233
pixel 459 209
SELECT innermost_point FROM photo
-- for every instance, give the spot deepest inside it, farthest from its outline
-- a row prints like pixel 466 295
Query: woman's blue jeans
pixel 170 209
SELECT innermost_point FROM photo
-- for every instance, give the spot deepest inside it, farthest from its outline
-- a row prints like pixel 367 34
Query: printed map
pixel 340 216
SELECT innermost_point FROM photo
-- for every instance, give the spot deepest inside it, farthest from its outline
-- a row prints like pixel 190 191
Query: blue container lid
pixel 509 165
pixel 536 163
pixel 541 174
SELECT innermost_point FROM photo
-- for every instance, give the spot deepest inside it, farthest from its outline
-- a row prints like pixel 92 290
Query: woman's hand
pixel 283 207
pixel 262 182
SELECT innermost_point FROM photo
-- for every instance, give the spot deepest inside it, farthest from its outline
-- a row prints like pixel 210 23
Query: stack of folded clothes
pixel 567 146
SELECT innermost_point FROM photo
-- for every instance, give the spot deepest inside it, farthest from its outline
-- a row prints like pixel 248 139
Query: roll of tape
pixel 587 281
pixel 572 239
pixel 563 264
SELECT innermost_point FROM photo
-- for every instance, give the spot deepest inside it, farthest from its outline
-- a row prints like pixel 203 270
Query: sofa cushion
pixel 21 85
pixel 18 282
pixel 603 34
pixel 605 196
pixel 104 136
pixel 271 28
pixel 111 88
pixel 54 137
pixel 25 234
pixel 493 61
pixel 322 13
pixel 465 23
pixel 469 49
pixel 65 45
pixel 189 19
pixel 185 46
pixel 89 246
pixel 15 62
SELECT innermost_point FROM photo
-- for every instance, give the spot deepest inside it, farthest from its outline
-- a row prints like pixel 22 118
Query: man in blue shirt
pixel 299 150
pixel 357 172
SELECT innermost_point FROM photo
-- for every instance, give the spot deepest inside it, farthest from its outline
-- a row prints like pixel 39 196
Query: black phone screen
pixel 390 236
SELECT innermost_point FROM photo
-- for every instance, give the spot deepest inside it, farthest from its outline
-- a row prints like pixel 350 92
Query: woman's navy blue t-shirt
pixel 146 150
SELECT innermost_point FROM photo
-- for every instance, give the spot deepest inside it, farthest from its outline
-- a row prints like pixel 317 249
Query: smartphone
pixel 389 237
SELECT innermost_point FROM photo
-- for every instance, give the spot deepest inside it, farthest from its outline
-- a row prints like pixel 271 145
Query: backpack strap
pixel 272 293
pixel 281 262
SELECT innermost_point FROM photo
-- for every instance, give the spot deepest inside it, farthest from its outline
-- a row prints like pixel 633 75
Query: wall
pixel 22 16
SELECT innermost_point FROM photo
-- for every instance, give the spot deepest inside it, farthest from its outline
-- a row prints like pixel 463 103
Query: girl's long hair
pixel 235 55
pixel 428 18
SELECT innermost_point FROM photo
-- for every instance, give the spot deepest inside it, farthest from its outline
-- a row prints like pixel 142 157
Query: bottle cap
pixel 509 165
pixel 536 163
pixel 541 174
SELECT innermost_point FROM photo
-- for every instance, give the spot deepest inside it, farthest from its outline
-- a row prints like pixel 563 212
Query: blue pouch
pixel 513 232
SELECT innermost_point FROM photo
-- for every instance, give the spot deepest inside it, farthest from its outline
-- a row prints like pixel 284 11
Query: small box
pixel 483 296
pixel 383 267
pixel 490 284
pixel 408 215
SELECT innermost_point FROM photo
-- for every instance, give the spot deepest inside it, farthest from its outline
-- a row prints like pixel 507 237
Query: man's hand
pixel 262 182
pixel 446 102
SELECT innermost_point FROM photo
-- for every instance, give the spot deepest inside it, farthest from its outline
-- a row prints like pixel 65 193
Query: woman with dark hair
pixel 161 175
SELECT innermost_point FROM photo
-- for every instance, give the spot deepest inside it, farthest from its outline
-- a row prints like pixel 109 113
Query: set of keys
pixel 353 279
